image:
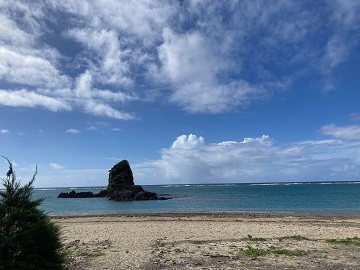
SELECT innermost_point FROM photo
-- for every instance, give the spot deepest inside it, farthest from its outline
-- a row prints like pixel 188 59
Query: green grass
pixel 288 252
pixel 251 238
pixel 347 241
pixel 256 252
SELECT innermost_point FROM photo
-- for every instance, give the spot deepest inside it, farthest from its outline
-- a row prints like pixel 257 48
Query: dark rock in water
pixel 121 187
pixel 132 193
pixel 120 176
pixel 74 194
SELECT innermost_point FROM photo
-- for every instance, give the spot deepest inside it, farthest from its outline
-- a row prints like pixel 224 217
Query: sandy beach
pixel 211 241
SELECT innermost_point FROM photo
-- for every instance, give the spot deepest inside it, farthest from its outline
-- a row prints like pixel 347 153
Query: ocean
pixel 325 198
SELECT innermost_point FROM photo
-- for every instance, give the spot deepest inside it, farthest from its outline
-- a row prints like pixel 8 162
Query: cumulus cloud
pixel 72 131
pixel 186 142
pixel 191 160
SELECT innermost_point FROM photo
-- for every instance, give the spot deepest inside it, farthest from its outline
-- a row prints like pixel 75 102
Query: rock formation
pixel 120 176
pixel 120 187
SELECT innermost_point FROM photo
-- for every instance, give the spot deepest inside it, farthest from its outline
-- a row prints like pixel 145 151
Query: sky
pixel 187 91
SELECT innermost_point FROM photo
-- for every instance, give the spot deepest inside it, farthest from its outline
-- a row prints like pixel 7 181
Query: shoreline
pixel 214 214
pixel 208 241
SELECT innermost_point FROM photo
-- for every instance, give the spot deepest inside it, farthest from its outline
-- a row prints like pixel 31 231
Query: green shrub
pixel 28 238
pixel 254 252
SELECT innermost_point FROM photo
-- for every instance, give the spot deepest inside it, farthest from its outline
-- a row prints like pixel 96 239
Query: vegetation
pixel 288 252
pixel 251 238
pixel 28 238
pixel 347 241
pixel 256 252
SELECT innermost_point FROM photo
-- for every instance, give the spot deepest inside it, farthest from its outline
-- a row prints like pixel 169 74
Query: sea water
pixel 326 198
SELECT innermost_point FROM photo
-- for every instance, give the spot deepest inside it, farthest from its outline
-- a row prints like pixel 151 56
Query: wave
pixel 307 183
pixel 73 188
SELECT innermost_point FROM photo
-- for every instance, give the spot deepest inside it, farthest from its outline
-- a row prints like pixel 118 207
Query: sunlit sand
pixel 206 241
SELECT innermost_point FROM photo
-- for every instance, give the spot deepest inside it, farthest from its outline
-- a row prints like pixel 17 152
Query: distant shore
pixel 210 241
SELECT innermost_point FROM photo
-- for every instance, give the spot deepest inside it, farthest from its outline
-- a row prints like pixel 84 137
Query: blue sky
pixel 187 91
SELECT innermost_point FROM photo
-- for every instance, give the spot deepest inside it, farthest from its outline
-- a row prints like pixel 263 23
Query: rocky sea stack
pixel 120 187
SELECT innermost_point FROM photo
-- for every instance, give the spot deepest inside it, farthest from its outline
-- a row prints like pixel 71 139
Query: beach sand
pixel 211 241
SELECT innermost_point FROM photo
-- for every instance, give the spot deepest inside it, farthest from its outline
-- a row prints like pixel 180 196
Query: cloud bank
pixel 191 160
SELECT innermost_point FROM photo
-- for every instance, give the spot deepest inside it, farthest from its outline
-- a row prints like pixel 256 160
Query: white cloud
pixel 84 85
pixel 112 96
pixel 72 131
pixel 25 98
pixel 210 56
pixel 345 23
pixel 103 45
pixel 347 133
pixel 12 34
pixel 27 69
pixel 193 64
pixel 4 131
pixel 142 20
pixel 191 160
pixel 92 100
pixel 187 142
pixel 101 109
pixel 336 52
pixel 56 166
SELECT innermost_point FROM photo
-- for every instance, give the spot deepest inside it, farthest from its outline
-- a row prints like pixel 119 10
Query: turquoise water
pixel 341 198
